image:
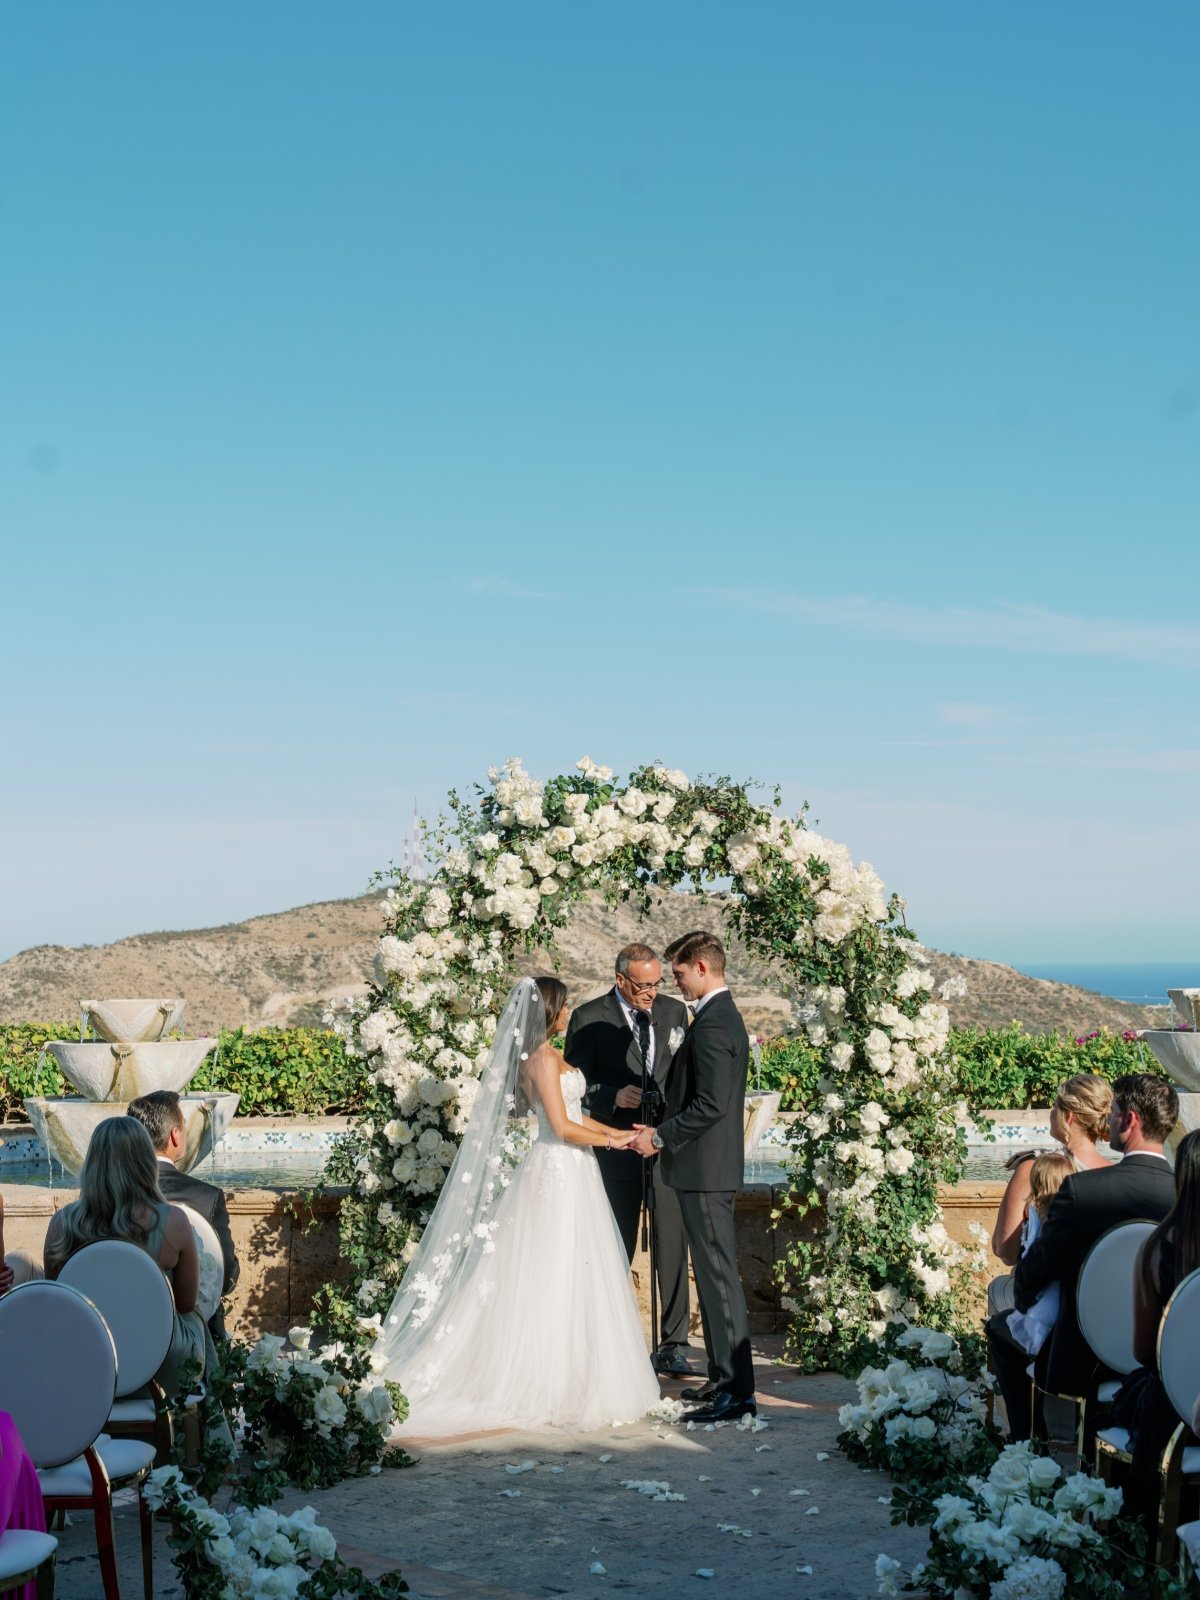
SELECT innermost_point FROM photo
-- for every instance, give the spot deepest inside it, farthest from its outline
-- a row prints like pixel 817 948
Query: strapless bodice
pixel 574 1085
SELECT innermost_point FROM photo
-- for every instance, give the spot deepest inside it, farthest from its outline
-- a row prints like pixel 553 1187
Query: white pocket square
pixel 675 1040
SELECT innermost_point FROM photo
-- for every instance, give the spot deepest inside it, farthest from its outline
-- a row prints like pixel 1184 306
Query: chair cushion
pixel 1106 1391
pixel 1117 1438
pixel 122 1458
pixel 23 1549
pixel 139 1409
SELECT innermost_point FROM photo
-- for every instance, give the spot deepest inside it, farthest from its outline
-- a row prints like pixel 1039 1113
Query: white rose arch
pixel 866 1161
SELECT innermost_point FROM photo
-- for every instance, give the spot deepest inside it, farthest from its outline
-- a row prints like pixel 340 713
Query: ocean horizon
pixel 1137 983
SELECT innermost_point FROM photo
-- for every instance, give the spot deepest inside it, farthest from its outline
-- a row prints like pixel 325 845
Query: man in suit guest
pixel 162 1117
pixel 1141 1185
pixel 605 1040
pixel 702 1142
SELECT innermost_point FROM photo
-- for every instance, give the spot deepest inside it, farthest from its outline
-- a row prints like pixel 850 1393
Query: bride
pixel 517 1310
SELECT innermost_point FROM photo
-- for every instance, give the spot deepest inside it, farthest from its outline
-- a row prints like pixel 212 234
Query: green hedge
pixel 1000 1069
pixel 277 1071
pixel 305 1071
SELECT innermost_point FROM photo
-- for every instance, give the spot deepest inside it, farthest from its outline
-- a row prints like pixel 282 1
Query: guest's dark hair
pixel 554 997
pixel 1179 1230
pixel 159 1113
pixel 1153 1099
pixel 699 946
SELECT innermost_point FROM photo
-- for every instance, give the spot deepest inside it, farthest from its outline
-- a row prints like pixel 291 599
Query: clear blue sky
pixel 805 392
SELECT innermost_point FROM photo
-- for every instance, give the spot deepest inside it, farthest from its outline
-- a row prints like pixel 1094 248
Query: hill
pixel 286 967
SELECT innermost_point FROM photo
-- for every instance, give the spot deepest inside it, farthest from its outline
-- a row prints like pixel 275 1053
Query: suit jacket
pixel 209 1201
pixel 602 1045
pixel 704 1131
pixel 1088 1204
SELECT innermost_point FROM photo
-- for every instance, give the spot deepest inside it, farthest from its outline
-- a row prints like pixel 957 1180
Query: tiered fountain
pixel 1177 1051
pixel 130 1057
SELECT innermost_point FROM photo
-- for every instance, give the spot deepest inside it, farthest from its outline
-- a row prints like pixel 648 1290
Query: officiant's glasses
pixel 643 988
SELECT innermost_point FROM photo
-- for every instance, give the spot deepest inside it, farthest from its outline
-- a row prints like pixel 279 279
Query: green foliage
pixel 1010 1069
pixel 998 1069
pixel 277 1072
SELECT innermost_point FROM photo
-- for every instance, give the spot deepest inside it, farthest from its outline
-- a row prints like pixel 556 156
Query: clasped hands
pixel 636 1139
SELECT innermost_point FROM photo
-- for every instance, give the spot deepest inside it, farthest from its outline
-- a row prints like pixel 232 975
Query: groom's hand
pixel 642 1142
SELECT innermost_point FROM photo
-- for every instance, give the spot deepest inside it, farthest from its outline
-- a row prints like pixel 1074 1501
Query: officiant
pixel 610 1039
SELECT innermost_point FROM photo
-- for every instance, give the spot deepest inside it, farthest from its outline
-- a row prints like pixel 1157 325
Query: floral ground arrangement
pixel 303 1416
pixel 871 1154
pixel 1006 1522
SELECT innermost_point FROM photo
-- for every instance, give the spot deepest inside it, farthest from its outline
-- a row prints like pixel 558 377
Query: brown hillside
pixel 286 967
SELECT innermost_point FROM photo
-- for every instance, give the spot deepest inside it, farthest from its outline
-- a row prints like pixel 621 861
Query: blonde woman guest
pixel 1078 1120
pixel 119 1198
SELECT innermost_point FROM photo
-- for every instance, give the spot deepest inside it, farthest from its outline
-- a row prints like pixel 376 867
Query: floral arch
pixel 510 869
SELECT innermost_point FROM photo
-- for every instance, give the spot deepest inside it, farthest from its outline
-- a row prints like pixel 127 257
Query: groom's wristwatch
pixel 656 1139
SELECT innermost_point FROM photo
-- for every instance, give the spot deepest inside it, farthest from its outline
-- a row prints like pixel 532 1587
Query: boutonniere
pixel 675 1040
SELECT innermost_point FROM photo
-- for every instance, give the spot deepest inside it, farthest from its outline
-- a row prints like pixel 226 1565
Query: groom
pixel 701 1140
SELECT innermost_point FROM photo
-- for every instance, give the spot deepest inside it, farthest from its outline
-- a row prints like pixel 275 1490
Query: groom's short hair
pixel 699 946
pixel 632 953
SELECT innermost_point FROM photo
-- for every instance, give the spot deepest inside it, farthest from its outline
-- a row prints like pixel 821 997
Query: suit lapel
pixel 633 1061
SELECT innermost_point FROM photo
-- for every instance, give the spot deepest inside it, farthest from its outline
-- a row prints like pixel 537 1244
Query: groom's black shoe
pixel 670 1361
pixel 723 1407
pixel 705 1391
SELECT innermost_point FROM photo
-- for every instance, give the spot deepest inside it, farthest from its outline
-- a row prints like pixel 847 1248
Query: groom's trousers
pixel 712 1240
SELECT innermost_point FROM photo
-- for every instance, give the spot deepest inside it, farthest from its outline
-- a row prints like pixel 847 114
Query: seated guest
pixel 1168 1255
pixel 1047 1175
pixel 1145 1108
pixel 16 1266
pixel 119 1198
pixel 1078 1120
pixel 162 1117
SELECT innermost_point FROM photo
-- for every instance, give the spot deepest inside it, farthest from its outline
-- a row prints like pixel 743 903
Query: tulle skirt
pixel 545 1333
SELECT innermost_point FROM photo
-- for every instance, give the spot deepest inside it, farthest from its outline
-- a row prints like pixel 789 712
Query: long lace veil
pixel 459 1233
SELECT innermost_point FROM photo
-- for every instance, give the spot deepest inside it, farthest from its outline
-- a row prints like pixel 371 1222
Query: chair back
pixel 1104 1297
pixel 1179 1347
pixel 58 1370
pixel 212 1278
pixel 131 1292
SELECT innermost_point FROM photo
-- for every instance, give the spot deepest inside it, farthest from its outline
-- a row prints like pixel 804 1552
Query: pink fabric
pixel 20 1493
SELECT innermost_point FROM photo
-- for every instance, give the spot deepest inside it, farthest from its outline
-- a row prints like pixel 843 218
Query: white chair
pixel 1179 1369
pixel 1104 1309
pixel 132 1294
pixel 27 1556
pixel 58 1379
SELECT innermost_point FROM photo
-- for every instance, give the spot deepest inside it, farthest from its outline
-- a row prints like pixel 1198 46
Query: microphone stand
pixel 651 1115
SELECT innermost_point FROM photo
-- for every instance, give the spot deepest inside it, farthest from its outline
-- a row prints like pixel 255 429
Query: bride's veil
pixel 458 1234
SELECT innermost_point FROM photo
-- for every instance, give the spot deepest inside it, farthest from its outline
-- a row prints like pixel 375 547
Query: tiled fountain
pixel 129 1057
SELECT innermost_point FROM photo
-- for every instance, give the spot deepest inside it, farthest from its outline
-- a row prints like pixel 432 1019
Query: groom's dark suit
pixel 601 1044
pixel 703 1160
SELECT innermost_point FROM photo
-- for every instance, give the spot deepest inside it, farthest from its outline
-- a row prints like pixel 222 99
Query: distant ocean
pixel 1138 983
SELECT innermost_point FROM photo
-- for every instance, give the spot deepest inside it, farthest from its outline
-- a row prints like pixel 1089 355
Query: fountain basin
pixel 65 1126
pixel 130 1021
pixel 121 1072
pixel 1187 1006
pixel 761 1111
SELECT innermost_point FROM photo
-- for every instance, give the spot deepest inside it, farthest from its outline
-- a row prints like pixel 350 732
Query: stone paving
pixel 759 1508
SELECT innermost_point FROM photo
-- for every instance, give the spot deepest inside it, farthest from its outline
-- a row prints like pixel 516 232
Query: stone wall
pixel 288 1247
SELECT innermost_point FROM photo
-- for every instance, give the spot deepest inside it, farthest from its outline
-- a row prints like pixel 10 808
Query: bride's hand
pixel 620 1139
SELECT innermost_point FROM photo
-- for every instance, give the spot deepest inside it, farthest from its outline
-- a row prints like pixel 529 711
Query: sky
pixel 806 393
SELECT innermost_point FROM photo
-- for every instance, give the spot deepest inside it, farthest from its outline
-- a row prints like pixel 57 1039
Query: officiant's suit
pixel 703 1160
pixel 601 1043
pixel 1140 1186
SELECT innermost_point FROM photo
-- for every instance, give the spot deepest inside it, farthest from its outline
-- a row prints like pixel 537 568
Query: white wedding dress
pixel 543 1329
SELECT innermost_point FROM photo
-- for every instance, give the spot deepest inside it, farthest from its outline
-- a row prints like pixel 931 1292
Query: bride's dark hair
pixel 554 997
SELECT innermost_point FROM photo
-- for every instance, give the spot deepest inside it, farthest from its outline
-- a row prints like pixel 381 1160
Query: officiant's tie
pixel 643 1033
